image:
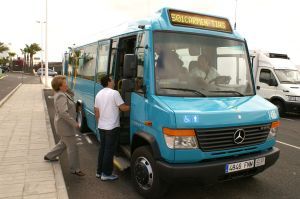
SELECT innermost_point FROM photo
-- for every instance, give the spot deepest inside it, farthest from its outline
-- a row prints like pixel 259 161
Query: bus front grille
pixel 224 138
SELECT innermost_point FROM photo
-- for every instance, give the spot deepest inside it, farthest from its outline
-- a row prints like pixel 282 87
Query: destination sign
pixel 179 18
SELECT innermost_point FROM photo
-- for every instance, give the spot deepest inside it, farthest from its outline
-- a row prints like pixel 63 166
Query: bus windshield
pixel 287 76
pixel 203 66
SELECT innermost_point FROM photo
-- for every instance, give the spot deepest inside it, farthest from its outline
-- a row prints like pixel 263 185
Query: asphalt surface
pixel 280 181
pixel 12 80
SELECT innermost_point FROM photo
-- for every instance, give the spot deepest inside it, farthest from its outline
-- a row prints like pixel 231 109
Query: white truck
pixel 277 79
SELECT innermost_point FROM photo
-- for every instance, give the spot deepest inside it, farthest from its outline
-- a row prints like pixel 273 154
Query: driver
pixel 204 70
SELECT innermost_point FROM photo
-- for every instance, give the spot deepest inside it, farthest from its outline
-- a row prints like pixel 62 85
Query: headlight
pixel 180 139
pixel 274 129
pixel 293 98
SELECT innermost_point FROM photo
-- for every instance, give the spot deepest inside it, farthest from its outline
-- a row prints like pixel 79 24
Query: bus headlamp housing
pixel 274 129
pixel 180 139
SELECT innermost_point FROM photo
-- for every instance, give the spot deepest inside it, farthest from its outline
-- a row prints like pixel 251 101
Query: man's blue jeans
pixel 109 141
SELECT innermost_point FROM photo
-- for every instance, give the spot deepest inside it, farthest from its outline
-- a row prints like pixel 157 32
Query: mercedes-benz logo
pixel 239 136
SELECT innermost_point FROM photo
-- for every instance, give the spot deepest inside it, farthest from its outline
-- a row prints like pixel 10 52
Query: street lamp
pixel 41 22
pixel 46 47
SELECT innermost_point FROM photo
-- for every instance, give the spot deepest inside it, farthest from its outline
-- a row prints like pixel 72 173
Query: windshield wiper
pixel 236 92
pixel 185 89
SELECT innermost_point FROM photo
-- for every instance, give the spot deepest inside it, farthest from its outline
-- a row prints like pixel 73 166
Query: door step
pixel 121 163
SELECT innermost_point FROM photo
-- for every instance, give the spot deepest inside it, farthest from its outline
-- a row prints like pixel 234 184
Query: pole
pixel 46 47
pixel 42 48
pixel 235 15
pixel 42 72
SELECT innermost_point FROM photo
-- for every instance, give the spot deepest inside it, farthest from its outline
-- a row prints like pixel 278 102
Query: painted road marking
pixel 88 139
pixel 296 147
pixel 287 119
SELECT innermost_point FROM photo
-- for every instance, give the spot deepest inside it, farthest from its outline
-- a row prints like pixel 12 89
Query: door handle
pixel 257 87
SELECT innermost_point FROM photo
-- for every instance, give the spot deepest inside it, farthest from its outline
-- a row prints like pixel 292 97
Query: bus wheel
pixel 144 175
pixel 81 120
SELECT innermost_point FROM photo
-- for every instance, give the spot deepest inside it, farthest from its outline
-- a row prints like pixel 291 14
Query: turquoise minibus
pixel 194 109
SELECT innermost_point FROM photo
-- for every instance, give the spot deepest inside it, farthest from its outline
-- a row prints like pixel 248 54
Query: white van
pixel 277 79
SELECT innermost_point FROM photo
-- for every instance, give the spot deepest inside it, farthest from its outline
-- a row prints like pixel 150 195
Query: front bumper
pixel 215 170
pixel 292 107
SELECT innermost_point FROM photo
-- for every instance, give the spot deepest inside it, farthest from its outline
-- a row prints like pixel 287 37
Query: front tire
pixel 144 174
pixel 280 105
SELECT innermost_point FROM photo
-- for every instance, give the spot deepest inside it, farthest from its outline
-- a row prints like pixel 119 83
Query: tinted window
pixel 140 64
pixel 265 76
pixel 103 55
pixel 87 62
pixel 196 65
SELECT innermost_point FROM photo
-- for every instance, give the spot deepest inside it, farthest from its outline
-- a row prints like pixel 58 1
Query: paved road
pixel 280 181
pixel 7 84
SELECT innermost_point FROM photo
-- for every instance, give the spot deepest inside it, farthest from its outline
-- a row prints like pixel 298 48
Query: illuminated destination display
pixel 179 18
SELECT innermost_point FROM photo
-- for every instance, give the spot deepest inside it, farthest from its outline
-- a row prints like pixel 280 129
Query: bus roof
pixel 168 19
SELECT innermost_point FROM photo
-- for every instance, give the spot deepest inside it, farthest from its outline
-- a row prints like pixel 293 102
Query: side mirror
pixel 130 66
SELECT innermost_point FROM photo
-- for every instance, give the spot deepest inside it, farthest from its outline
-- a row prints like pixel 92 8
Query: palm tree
pixel 25 52
pixel 3 48
pixel 32 50
pixel 11 56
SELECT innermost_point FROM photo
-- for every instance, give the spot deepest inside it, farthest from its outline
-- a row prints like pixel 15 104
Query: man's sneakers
pixel 98 175
pixel 104 177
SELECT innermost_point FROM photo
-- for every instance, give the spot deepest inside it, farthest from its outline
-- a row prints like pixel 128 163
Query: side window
pixel 265 76
pixel 140 62
pixel 103 56
pixel 87 62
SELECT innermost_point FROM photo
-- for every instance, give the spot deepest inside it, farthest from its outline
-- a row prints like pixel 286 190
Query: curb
pixel 59 178
pixel 3 76
pixel 9 95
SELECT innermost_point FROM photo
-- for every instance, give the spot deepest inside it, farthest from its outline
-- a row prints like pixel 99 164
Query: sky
pixel 270 25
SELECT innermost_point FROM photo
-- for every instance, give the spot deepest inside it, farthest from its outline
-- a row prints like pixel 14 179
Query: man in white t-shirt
pixel 108 104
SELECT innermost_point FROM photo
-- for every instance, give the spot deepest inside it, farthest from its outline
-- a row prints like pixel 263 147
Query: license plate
pixel 239 166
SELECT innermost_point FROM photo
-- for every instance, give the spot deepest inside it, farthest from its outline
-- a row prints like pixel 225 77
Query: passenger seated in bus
pixel 204 70
pixel 168 64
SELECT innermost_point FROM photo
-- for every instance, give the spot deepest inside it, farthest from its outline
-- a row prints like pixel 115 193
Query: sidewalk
pixel 25 136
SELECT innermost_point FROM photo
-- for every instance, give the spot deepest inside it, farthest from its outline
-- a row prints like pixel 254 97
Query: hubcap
pixel 143 173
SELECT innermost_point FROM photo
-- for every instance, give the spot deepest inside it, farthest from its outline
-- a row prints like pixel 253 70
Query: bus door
pixel 130 83
pixel 138 96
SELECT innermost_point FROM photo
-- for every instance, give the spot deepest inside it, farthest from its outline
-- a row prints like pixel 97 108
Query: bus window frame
pixel 103 42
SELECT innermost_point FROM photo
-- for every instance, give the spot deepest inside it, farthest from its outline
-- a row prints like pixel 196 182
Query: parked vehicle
pixel 277 79
pixel 5 69
pixel 50 72
pixel 210 127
